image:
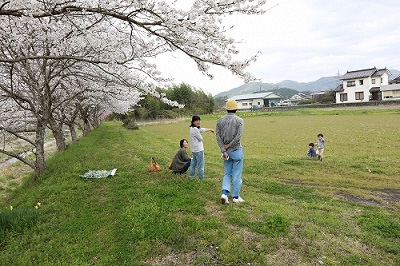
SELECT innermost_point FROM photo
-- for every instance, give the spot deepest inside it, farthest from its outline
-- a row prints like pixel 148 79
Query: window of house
pixel 343 97
pixel 361 82
pixel 351 83
pixel 387 94
pixel 373 81
pixel 360 95
pixel 244 104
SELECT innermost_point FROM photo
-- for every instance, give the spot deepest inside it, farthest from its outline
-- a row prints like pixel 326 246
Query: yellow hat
pixel 231 105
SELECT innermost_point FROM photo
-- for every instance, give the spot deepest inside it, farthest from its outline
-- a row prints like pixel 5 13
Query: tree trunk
pixel 95 121
pixel 94 118
pixel 58 134
pixel 40 164
pixel 86 126
pixel 72 130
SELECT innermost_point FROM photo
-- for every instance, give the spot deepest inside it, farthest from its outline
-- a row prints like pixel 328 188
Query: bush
pixel 130 123
pixel 170 114
pixel 305 101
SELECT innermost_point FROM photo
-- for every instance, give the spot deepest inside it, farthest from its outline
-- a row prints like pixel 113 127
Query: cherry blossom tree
pixel 65 59
pixel 16 128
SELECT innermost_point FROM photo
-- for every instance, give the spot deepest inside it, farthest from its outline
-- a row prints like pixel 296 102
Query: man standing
pixel 229 130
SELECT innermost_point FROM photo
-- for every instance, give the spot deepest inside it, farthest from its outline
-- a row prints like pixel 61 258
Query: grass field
pixel 342 211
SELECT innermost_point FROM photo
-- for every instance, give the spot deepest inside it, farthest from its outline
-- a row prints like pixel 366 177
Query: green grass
pixel 294 212
pixel 17 220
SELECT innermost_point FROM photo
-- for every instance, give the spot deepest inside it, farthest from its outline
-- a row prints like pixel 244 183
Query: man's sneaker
pixel 238 200
pixel 224 199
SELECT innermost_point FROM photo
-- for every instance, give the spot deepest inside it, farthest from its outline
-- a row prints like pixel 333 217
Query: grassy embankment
pixel 296 212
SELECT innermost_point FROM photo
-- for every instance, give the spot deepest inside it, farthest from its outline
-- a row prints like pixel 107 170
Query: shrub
pixel 305 101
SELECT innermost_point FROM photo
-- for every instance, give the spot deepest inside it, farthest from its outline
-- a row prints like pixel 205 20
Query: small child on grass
pixel 320 146
pixel 311 152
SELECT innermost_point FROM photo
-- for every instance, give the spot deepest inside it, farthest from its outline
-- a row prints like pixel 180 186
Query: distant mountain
pixel 395 73
pixel 326 83
pixel 322 84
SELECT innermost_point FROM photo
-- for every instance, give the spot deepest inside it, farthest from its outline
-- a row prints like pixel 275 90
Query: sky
pixel 303 40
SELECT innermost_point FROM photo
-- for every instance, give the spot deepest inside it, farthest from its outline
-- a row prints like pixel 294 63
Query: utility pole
pixel 338 78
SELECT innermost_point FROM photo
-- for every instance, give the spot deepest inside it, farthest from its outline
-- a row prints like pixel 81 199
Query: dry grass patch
pixel 11 177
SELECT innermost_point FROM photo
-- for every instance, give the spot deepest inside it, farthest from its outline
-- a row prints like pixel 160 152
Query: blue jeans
pixel 197 161
pixel 186 167
pixel 233 168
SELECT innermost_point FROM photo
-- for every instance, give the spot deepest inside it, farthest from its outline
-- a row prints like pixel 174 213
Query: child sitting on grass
pixel 311 151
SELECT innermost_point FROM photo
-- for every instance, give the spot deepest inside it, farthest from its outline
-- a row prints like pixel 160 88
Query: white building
pixel 362 85
pixel 295 99
pixel 391 91
pixel 256 100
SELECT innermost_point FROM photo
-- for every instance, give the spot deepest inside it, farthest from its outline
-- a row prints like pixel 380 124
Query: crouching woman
pixel 181 162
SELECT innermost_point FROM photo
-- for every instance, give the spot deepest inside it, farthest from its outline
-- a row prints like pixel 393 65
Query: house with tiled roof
pixel 362 85
pixel 256 100
pixel 392 90
pixel 295 99
pixel 396 80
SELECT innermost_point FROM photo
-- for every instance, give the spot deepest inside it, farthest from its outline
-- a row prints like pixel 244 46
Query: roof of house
pixel 318 93
pixel 364 73
pixel 258 95
pixel 395 80
pixel 380 72
pixel 298 97
pixel 339 88
pixel 375 89
pixel 391 87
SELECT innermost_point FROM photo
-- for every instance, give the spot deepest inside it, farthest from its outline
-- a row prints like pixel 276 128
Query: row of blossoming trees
pixel 64 61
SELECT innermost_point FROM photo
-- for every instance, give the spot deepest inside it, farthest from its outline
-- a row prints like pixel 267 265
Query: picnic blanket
pixel 99 173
